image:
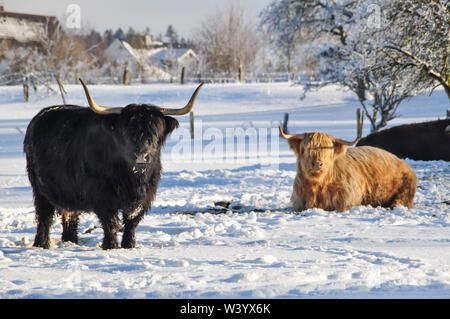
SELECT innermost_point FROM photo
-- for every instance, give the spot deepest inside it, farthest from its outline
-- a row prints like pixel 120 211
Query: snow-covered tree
pixel 355 60
pixel 351 40
pixel 57 50
pixel 290 21
pixel 56 55
pixel 418 41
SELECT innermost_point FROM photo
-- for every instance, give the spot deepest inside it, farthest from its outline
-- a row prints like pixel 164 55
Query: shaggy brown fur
pixel 333 178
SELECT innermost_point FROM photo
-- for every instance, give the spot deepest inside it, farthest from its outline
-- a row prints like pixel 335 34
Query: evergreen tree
pixel 119 34
pixel 108 36
pixel 172 36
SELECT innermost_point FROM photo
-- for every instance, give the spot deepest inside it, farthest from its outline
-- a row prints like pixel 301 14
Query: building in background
pixel 153 62
pixel 122 53
pixel 20 29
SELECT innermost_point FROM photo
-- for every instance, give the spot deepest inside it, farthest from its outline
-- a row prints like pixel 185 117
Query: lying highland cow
pixel 333 178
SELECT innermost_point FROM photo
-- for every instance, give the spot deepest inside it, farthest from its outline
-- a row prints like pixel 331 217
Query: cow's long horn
pixel 288 136
pixel 344 142
pixel 97 108
pixel 183 110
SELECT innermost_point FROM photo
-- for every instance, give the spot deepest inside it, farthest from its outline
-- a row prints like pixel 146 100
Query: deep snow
pixel 259 249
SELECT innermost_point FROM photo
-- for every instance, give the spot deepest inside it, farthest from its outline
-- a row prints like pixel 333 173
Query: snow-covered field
pixel 257 249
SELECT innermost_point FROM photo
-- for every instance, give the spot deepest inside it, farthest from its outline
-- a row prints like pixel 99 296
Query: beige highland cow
pixel 332 177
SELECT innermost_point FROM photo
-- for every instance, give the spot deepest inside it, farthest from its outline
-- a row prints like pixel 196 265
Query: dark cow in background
pixel 426 141
pixel 99 159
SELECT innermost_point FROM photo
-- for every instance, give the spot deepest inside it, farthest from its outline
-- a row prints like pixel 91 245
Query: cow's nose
pixel 318 165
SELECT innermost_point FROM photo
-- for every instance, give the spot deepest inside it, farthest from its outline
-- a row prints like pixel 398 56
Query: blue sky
pixel 184 15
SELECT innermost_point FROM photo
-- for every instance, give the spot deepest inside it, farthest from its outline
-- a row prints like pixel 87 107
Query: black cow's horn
pixel 183 110
pixel 116 110
pixel 97 108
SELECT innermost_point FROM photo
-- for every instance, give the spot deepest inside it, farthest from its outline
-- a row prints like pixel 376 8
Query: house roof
pixel 119 49
pixel 25 27
pixel 122 51
pixel 164 54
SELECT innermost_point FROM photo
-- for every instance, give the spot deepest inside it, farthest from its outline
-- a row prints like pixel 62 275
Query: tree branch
pixel 437 76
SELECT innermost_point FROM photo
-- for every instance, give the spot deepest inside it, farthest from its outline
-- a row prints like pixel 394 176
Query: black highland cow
pixel 426 141
pixel 97 159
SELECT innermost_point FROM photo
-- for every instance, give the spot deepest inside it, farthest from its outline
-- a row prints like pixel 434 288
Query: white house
pixel 123 53
pixel 155 62
pixel 170 58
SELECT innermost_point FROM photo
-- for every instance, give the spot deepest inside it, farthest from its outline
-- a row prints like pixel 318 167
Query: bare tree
pixel 227 40
pixel 58 50
pixel 53 51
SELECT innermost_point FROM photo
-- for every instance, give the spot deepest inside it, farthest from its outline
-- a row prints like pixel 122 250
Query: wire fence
pixel 251 77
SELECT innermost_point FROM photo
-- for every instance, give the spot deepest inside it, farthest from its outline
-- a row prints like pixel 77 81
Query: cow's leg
pixel 44 219
pixel 111 225
pixel 298 204
pixel 131 220
pixel 69 221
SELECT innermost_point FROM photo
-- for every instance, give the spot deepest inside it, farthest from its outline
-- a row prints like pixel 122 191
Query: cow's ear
pixel 339 149
pixel 171 124
pixel 296 146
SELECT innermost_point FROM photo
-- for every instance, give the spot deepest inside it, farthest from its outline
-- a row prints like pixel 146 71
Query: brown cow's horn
pixel 183 110
pixel 344 142
pixel 288 136
pixel 97 108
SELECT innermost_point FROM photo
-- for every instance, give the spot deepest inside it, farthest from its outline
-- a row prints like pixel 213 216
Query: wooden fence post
pixel 62 90
pixel 359 122
pixel 294 74
pixel 192 124
pixel 285 123
pixel 126 76
pixel 25 92
pixel 240 71
pixel 182 76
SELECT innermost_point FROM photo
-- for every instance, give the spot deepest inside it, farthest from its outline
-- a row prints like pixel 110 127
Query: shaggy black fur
pixel 80 161
pixel 426 141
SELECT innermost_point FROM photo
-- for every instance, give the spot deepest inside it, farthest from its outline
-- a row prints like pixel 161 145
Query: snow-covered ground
pixel 258 249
